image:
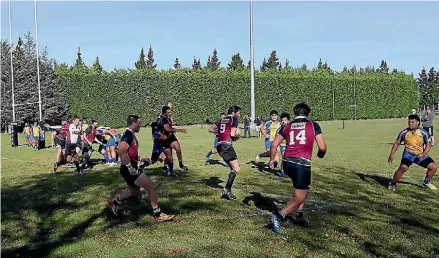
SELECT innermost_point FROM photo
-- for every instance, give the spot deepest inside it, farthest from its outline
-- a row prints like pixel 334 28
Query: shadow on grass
pixel 263 167
pixel 216 162
pixel 213 182
pixel 383 181
pixel 46 196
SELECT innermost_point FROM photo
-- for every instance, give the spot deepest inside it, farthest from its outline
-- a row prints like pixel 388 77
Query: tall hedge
pixel 200 95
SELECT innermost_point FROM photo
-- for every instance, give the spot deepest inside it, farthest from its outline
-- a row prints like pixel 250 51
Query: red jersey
pixel 63 133
pixel 300 135
pixel 225 126
pixel 133 149
pixel 91 133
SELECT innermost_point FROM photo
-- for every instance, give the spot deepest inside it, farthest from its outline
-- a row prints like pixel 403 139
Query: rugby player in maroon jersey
pixel 300 135
pixel 134 177
pixel 59 140
pixel 226 129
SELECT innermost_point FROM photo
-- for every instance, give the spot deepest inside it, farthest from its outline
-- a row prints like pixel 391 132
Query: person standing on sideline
pixel 247 121
pixel 258 123
pixel 427 124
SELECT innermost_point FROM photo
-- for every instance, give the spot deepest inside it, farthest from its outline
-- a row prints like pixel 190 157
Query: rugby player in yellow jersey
pixel 84 125
pixel 417 145
pixel 27 133
pixel 36 136
pixel 269 130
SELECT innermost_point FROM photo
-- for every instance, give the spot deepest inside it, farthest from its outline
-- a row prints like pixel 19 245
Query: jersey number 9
pixel 222 128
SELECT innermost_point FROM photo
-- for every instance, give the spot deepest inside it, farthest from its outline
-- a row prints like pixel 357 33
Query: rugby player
pixel 87 142
pixel 134 177
pixel 72 148
pixel 226 129
pixel 59 135
pixel 300 135
pixel 158 137
pixel 171 141
pixel 36 136
pixel 285 119
pixel 215 143
pixel 417 146
pixel 27 134
pixel 269 130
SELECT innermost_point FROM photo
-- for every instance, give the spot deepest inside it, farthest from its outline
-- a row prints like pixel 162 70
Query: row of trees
pixel 25 83
pixel 56 96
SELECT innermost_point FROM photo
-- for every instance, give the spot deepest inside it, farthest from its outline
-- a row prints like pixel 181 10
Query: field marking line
pixel 16 159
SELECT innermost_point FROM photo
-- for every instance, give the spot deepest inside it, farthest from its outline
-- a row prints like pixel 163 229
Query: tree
pixel 150 59
pixel 287 65
pixel 264 65
pixel 423 87
pixel 326 67
pixel 177 64
pixel 320 64
pixel 141 64
pixel 395 71
pixel 273 61
pixel 196 65
pixel 345 70
pixel 303 68
pixel 6 90
pixel 213 63
pixel 383 67
pixel 249 64
pixel 236 64
pixel 97 66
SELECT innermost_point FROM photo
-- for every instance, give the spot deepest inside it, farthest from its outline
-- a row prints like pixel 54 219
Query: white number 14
pixel 301 137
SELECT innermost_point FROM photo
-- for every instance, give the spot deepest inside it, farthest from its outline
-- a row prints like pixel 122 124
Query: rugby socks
pixel 280 215
pixel 156 212
pixel 171 168
pixel 299 214
pixel 232 176
pixel 106 157
pixel 77 166
pixel 113 160
pixel 427 180
pixel 208 155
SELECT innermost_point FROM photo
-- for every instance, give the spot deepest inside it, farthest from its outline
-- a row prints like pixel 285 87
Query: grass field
pixel 350 209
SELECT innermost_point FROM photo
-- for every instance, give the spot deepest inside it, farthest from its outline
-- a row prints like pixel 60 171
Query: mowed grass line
pixel 352 213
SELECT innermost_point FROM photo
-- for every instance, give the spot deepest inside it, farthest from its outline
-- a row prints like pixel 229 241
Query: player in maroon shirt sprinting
pixel 226 129
pixel 300 135
pixel 134 177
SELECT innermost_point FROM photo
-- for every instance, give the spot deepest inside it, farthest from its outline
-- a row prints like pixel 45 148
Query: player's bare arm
pixel 395 147
pixel 263 131
pixel 273 148
pixel 171 129
pixel 123 152
pixel 323 148
pixel 213 129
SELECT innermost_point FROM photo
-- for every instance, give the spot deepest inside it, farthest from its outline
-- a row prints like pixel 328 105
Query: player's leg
pixel 397 176
pixel 228 153
pixel 212 151
pixel 113 155
pixel 76 151
pixel 266 153
pixel 177 147
pixel 432 135
pixel 169 161
pixel 58 155
pixel 282 152
pixel 301 177
pixel 431 167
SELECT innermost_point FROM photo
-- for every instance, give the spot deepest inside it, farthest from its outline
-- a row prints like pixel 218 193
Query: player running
pixel 285 119
pixel 129 170
pixel 215 143
pixel 226 129
pixel 158 137
pixel 171 142
pixel 300 135
pixel 36 136
pixel 87 143
pixel 59 136
pixel 417 146
pixel 269 130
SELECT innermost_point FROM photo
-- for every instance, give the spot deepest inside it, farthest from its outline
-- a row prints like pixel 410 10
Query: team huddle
pixel 288 144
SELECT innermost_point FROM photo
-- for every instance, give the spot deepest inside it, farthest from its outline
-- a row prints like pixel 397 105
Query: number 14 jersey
pixel 299 135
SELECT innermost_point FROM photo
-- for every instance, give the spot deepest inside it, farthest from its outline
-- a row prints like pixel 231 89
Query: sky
pixel 341 33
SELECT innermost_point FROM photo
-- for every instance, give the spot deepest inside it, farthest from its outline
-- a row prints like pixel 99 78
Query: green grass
pixel 352 214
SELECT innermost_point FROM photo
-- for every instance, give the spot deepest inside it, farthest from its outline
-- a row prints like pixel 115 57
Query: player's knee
pixel 403 168
pixel 432 167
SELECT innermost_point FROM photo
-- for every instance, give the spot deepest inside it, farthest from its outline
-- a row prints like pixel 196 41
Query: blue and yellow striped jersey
pixel 414 140
pixel 271 129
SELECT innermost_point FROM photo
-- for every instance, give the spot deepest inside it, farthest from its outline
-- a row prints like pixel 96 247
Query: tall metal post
pixel 252 69
pixel 12 64
pixel 355 95
pixel 38 61
pixel 333 96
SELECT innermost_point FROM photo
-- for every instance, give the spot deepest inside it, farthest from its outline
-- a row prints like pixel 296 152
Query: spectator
pixel 258 122
pixel 427 124
pixel 247 122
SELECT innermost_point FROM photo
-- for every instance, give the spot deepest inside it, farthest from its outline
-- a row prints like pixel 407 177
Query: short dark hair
pixel 222 114
pixel 272 112
pixel 165 108
pixel 233 109
pixel 302 109
pixel 414 117
pixel 132 119
pixel 75 117
pixel 285 114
